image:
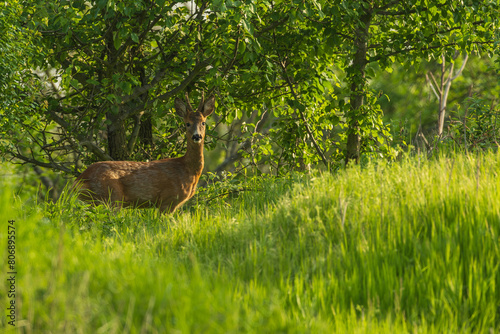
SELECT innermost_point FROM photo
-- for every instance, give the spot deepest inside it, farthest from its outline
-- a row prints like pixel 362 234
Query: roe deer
pixel 165 184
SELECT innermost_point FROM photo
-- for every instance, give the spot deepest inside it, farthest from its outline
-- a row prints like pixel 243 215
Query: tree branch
pixel 81 139
pixel 435 82
pixel 431 85
pixel 302 117
pixel 135 133
pixel 461 67
pixel 41 163
pixel 144 88
pixel 238 154
pixel 194 73
pixel 96 150
pixel 133 110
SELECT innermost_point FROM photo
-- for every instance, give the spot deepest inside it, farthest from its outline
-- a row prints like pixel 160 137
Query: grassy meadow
pixel 407 247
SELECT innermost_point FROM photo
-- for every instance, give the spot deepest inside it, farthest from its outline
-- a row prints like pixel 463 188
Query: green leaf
pixel 117 41
pixel 242 46
pixel 126 87
pixel 93 82
pixel 134 37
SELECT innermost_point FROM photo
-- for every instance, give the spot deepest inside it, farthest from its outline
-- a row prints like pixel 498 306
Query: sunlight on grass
pixel 404 247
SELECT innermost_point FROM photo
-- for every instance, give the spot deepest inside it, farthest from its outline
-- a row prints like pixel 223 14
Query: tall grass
pixel 405 247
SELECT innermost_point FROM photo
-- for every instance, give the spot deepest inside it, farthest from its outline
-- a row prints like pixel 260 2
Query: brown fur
pixel 166 183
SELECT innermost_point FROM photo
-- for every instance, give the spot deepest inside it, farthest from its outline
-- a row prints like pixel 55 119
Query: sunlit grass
pixel 404 247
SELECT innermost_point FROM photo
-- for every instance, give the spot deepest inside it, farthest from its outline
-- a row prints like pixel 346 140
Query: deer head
pixel 195 120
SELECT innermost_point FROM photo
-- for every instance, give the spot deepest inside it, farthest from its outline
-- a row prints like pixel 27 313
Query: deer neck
pixel 194 158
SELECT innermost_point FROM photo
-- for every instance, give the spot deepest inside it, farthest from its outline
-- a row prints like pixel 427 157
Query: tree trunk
pixel 146 125
pixel 356 77
pixel 146 130
pixel 442 89
pixel 117 140
pixel 442 97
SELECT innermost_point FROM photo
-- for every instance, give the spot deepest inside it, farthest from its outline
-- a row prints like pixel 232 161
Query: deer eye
pixel 188 124
pixel 203 123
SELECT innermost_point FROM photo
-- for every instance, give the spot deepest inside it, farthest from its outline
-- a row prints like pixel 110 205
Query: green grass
pixel 406 247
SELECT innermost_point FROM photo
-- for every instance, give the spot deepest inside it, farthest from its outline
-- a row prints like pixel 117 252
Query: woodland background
pixel 298 83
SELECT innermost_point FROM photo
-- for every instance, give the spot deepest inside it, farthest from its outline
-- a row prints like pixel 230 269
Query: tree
pixel 111 70
pixel 384 32
pixel 412 108
pixel 442 89
pixel 17 83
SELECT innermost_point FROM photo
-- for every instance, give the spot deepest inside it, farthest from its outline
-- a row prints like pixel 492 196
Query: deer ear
pixel 209 106
pixel 180 107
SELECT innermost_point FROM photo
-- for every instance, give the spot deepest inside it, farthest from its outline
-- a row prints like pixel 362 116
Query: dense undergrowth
pixel 410 246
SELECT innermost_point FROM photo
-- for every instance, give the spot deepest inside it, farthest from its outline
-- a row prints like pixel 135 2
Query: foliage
pixel 407 32
pixel 16 82
pixel 477 129
pixel 383 248
pixel 111 70
pixel 411 105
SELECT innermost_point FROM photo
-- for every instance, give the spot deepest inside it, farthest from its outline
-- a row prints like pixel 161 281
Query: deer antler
pixel 202 102
pixel 190 107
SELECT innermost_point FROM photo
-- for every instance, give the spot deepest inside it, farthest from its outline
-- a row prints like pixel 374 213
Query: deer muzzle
pixel 197 138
